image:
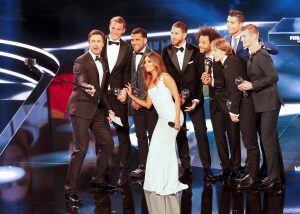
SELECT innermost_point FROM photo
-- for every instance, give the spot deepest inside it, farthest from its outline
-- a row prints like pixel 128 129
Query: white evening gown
pixel 162 167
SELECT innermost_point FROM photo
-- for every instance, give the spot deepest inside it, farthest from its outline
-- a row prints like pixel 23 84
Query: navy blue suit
pixel 244 53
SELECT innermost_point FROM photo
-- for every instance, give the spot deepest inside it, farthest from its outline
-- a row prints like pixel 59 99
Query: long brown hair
pixel 159 67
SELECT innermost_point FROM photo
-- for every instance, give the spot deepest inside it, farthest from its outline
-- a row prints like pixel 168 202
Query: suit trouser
pixel 249 136
pixel 269 138
pixel 221 125
pixel 121 110
pixel 198 119
pixel 144 121
pixel 104 144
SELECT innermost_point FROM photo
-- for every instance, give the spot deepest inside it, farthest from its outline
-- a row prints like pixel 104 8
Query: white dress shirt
pixel 138 58
pixel 112 53
pixel 99 67
pixel 180 55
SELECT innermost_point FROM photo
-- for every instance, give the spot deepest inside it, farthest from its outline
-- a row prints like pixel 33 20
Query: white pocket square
pixel 190 62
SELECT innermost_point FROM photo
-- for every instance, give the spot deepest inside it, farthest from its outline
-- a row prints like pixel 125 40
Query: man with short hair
pixel 144 119
pixel 118 54
pixel 235 22
pixel 87 108
pixel 182 61
pixel 267 103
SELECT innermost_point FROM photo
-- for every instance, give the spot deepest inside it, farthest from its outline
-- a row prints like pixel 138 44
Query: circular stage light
pixel 10 174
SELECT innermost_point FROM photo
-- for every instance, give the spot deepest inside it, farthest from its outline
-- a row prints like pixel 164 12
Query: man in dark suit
pixel 235 22
pixel 182 61
pixel 267 102
pixel 240 107
pixel 118 55
pixel 144 119
pixel 222 126
pixel 88 108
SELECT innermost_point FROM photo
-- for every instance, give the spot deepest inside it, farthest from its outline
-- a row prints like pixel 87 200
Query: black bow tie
pixel 99 58
pixel 179 49
pixel 139 53
pixel 113 43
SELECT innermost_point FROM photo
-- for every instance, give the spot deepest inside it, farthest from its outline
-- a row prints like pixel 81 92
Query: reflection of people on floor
pixel 128 202
pixel 102 201
pixel 230 200
pixel 167 204
pixel 206 199
pixel 14 155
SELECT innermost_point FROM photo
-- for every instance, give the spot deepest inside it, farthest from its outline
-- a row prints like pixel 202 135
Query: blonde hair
pixel 223 45
pixel 118 19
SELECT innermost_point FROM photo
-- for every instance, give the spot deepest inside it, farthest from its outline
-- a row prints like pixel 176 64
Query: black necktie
pixel 179 49
pixel 139 53
pixel 113 43
pixel 99 58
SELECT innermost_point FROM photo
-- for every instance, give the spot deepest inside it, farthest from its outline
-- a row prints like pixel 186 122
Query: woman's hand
pixel 177 123
pixel 129 90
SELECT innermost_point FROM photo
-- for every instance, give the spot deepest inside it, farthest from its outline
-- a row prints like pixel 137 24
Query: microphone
pixel 182 128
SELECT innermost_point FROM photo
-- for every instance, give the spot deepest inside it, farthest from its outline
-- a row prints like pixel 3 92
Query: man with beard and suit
pixel 240 106
pixel 182 61
pixel 222 125
pixel 144 119
pixel 118 55
pixel 267 103
pixel 87 108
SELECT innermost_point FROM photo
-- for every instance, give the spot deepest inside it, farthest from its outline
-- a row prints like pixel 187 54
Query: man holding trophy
pixel 182 61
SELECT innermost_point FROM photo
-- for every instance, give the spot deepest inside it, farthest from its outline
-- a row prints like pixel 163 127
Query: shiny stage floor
pixel 41 191
pixel 39 187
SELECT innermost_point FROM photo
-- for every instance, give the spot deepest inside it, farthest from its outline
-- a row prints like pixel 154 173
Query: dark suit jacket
pixel 137 79
pixel 190 76
pixel 233 68
pixel 244 53
pixel 217 95
pixel 262 74
pixel 80 103
pixel 120 75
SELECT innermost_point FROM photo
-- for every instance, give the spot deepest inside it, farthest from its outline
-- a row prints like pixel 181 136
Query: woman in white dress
pixel 161 174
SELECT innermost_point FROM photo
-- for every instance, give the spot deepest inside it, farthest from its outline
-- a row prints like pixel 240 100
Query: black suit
pixel 267 103
pixel 233 68
pixel 144 119
pixel 117 78
pixel 221 121
pixel 189 78
pixel 88 112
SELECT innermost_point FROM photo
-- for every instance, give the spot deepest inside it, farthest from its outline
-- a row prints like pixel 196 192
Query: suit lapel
pixel 187 56
pixel 173 57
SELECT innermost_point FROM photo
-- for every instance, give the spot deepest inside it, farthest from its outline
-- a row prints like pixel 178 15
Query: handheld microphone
pixel 172 124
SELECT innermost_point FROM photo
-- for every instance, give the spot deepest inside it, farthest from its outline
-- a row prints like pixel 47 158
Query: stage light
pixel 15 74
pixel 10 174
pixel 22 45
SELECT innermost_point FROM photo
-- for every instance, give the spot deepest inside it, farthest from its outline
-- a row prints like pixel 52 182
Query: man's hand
pixel 111 113
pixel 182 101
pixel 90 89
pixel 245 86
pixel 234 118
pixel 123 95
pixel 135 106
pixel 192 107
pixel 206 78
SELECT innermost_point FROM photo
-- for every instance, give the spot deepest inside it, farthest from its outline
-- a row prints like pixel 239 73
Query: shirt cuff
pixel 232 114
pixel 196 100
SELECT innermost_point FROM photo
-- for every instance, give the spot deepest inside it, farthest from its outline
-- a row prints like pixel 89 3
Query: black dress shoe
pixel 208 176
pixel 139 172
pixel 246 183
pixel 122 178
pixel 223 175
pixel 72 198
pixel 103 186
